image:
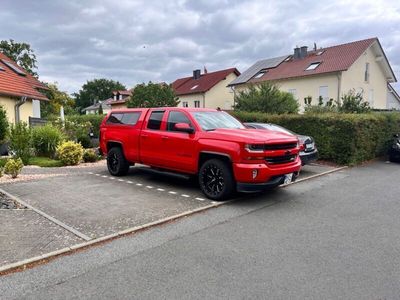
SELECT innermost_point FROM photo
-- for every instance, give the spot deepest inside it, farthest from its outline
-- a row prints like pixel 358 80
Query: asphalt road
pixel 333 237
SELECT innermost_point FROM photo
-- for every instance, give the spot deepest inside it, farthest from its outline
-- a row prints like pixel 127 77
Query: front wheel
pixel 216 179
pixel 116 162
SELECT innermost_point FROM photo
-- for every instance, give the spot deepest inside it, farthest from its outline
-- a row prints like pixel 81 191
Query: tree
pixel 95 90
pixel 153 95
pixel 3 124
pixel 267 98
pixel 21 53
pixel 57 99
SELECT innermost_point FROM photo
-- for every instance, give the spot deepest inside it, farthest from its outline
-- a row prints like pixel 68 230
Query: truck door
pixel 179 147
pixel 151 151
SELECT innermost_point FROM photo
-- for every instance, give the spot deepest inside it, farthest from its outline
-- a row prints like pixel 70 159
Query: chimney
pixel 196 74
pixel 296 53
pixel 303 52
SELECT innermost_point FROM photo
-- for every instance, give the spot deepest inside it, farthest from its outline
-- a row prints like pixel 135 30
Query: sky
pixel 139 41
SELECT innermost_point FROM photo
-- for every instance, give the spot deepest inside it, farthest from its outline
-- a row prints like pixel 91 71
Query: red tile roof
pixel 12 84
pixel 189 85
pixel 333 59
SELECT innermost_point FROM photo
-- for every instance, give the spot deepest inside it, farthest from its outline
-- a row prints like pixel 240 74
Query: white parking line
pixel 121 180
pixel 112 178
pixel 200 199
pixel 139 184
pixel 149 186
pixel 104 176
pixel 172 192
pixel 90 173
pixel 129 182
pixel 184 195
pixel 161 190
pixel 97 174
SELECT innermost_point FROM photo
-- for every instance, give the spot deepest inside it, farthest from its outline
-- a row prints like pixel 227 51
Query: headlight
pixel 396 145
pixel 259 148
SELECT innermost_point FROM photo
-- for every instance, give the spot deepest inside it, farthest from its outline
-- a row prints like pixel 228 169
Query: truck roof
pixel 162 108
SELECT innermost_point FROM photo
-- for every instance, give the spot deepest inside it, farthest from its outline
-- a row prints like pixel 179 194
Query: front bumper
pixel 267 176
pixel 307 157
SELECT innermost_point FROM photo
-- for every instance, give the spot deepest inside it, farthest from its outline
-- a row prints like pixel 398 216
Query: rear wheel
pixel 216 179
pixel 116 162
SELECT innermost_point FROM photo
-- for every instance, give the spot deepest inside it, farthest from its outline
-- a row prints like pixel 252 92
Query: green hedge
pixel 95 120
pixel 341 138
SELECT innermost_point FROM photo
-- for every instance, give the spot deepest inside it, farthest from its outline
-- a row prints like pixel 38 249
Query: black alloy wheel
pixel 116 162
pixel 216 180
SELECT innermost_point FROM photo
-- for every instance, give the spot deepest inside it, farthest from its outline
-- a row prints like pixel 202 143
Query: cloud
pixel 138 41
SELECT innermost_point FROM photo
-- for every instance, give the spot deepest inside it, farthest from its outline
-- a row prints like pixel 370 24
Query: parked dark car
pixel 308 150
pixel 394 151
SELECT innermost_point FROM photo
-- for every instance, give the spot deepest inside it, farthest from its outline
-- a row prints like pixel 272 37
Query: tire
pixel 216 179
pixel 116 162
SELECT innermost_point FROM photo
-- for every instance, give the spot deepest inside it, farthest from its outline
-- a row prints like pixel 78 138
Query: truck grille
pixel 280 146
pixel 274 160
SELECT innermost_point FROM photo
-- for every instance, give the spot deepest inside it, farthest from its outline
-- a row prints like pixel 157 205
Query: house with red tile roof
pixel 327 72
pixel 208 90
pixel 19 91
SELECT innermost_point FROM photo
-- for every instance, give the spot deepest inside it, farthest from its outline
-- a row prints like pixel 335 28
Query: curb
pixel 23 264
pixel 319 175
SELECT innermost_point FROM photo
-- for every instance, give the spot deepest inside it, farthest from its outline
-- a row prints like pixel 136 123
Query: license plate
pixel 310 146
pixel 288 178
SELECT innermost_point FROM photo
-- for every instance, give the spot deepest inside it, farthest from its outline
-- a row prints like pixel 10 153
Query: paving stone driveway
pixel 94 203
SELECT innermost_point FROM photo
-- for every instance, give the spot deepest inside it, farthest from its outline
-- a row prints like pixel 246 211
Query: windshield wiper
pixel 211 129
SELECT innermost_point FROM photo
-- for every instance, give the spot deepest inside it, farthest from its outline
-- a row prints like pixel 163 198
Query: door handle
pixel 165 137
pixel 144 135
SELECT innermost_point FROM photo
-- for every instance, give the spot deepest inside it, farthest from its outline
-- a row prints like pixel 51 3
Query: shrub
pixel 266 97
pixel 89 121
pixel 13 167
pixel 353 103
pixel 45 140
pixel 3 124
pixel 341 138
pixel 70 153
pixel 21 141
pixel 90 155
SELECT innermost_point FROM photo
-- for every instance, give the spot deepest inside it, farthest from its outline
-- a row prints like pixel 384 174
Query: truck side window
pixel 175 117
pixel 115 119
pixel 130 118
pixel 155 120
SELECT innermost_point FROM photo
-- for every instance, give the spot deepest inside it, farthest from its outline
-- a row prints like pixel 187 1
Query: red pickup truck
pixel 207 143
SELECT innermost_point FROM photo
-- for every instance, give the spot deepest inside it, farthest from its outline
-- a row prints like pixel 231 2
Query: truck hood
pixel 247 135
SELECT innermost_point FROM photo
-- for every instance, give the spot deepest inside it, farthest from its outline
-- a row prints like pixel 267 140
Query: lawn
pixel 45 162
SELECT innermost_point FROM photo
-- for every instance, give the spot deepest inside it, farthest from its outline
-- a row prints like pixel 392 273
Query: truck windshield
pixel 211 120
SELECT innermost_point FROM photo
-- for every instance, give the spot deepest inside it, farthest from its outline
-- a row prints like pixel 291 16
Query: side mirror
pixel 183 127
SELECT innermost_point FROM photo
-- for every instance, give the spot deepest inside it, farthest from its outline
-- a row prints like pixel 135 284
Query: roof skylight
pixel 193 87
pixel 260 74
pixel 320 52
pixel 313 66
pixel 13 67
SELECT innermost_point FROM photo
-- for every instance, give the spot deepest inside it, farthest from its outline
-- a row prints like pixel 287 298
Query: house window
pixel 185 104
pixel 293 92
pixel 260 74
pixel 371 97
pixel 313 66
pixel 197 103
pixel 366 73
pixel 323 94
pixel 120 97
